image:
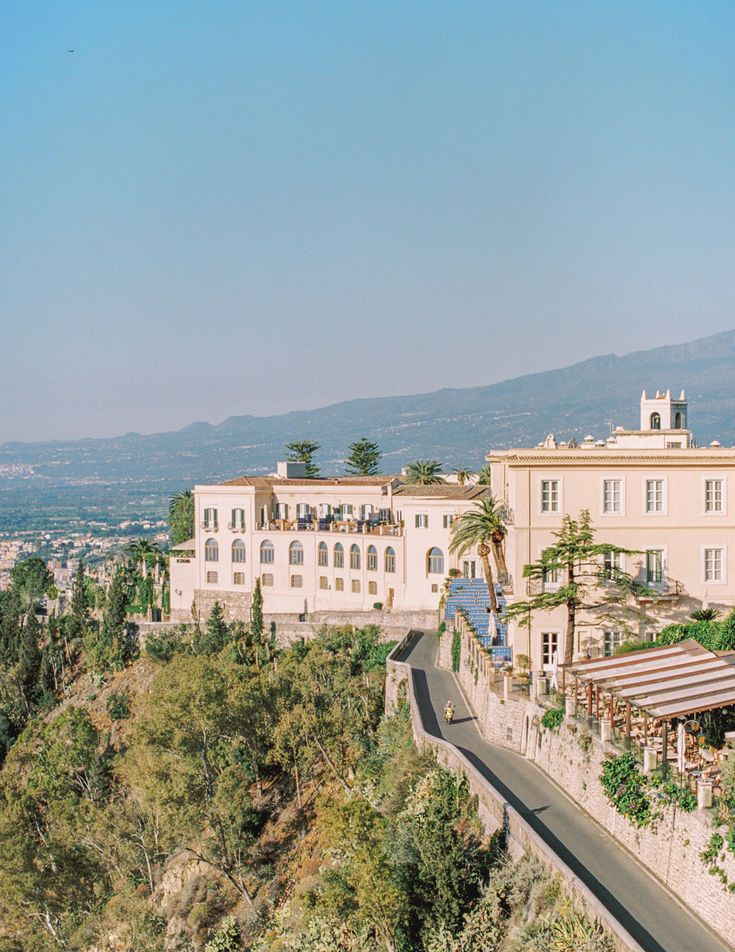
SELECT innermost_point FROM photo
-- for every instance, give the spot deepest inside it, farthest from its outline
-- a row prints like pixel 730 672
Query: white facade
pixel 343 544
pixel 651 491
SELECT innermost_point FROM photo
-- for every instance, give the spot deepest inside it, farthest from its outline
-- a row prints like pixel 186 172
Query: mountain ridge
pixel 457 424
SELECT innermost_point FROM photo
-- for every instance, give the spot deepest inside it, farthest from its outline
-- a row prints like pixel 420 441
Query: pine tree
pixel 216 633
pixel 29 661
pixel 79 595
pixel 115 644
pixel 364 458
pixel 302 451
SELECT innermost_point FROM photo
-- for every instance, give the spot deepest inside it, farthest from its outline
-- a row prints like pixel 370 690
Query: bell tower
pixel 663 412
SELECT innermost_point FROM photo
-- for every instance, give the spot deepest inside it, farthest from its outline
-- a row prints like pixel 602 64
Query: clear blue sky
pixel 247 207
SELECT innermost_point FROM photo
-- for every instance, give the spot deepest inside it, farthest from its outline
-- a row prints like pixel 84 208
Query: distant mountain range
pixel 457 426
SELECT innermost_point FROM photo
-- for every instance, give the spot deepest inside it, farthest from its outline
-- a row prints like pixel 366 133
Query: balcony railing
pixel 359 527
pixel 666 589
pixel 209 527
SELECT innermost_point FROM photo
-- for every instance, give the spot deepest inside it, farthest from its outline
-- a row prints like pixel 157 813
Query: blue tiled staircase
pixel 470 596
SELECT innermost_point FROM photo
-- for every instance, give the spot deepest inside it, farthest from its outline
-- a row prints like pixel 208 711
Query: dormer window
pixel 655 421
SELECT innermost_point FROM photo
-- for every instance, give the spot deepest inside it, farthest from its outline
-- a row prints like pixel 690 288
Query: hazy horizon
pixel 239 210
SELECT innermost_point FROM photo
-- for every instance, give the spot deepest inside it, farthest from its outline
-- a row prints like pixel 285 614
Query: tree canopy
pixel 364 458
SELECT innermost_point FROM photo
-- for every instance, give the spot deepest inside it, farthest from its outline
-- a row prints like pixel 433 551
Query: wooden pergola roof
pixel 672 681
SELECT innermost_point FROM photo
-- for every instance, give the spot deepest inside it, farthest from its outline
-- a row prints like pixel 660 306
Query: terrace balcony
pixel 351 526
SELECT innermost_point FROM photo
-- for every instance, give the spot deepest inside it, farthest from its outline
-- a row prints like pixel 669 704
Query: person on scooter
pixel 449 712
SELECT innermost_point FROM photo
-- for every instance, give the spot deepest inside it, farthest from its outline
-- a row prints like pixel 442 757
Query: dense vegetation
pixel 214 792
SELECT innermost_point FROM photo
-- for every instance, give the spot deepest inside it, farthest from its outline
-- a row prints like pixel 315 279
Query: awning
pixel 672 681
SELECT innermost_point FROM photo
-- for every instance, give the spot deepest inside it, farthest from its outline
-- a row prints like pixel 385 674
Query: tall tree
pixel 216 633
pixel 302 451
pixel 484 527
pixel 181 516
pixel 593 588
pixel 79 606
pixel 115 645
pixel 364 458
pixel 30 580
pixel 424 472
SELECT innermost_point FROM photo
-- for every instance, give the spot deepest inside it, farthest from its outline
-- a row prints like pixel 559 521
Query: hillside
pixel 458 425
pixel 220 794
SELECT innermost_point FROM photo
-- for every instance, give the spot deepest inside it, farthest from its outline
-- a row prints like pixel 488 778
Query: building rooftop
pixel 442 491
pixel 267 482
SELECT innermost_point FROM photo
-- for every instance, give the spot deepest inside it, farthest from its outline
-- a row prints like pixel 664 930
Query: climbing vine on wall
pixel 627 789
pixel 456 650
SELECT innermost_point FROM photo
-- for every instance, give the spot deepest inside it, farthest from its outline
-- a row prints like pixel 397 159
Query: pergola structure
pixel 663 684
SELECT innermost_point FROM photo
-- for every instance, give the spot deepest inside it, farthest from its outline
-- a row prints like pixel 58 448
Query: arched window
pixel 211 551
pixel 238 551
pixel 655 421
pixel 296 554
pixel 339 556
pixel 435 561
pixel 678 421
pixel 267 555
pixel 323 554
pixel 372 559
pixel 354 556
pixel 390 559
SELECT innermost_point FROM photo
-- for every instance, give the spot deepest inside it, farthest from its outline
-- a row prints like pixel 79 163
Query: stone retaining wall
pixel 573 757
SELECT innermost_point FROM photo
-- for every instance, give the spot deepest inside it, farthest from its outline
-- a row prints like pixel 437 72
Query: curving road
pixel 638 901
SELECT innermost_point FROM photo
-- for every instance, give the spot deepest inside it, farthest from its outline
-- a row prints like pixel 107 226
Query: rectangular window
pixel 551 578
pixel 266 580
pixel 422 520
pixel 210 518
pixel 468 568
pixel 212 578
pixel 713 565
pixel 372 588
pixel 323 581
pixel 713 495
pixel 612 564
pixel 448 522
pixel 654 566
pixel 356 585
pixel 281 510
pixel 238 578
pixel 297 581
pixel 549 644
pixel 613 640
pixel 346 510
pixel 339 585
pixel 654 495
pixel 237 519
pixel 612 496
pixel 549 495
pixel 434 589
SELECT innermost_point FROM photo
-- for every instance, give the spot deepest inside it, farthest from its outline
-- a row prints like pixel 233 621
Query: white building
pixel 650 490
pixel 334 544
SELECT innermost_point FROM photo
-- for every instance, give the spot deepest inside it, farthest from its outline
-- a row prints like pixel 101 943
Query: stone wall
pixel 573 757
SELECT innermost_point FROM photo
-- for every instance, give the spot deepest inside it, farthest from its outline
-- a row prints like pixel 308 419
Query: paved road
pixel 636 899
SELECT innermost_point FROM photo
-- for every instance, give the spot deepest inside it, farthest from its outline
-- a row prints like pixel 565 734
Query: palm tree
pixel 484 527
pixel 143 552
pixel 463 476
pixel 181 516
pixel 424 472
pixel 484 476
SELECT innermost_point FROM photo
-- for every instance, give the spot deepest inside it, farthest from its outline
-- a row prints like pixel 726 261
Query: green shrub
pixel 441 629
pixel 456 650
pixel 627 789
pixel 553 718
pixel 226 938
pixel 163 647
pixel 118 706
pixel 684 799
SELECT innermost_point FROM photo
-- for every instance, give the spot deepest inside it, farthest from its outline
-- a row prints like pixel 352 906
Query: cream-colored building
pixel 336 544
pixel 650 490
